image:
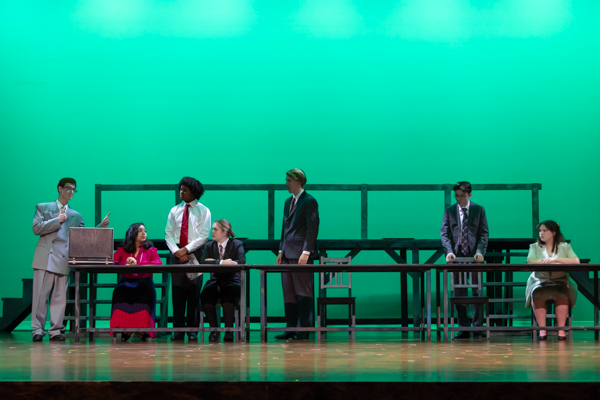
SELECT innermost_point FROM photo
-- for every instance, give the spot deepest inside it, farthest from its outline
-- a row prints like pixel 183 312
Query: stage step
pixel 585 284
pixel 15 310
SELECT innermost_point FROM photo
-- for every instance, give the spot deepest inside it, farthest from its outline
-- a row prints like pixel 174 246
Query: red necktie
pixel 293 204
pixel 183 236
pixel 221 252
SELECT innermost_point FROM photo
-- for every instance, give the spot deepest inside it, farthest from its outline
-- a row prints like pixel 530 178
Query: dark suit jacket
pixel 234 250
pixel 478 232
pixel 300 228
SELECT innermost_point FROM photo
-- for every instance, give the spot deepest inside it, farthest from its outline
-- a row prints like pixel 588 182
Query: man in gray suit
pixel 298 246
pixel 465 233
pixel 52 222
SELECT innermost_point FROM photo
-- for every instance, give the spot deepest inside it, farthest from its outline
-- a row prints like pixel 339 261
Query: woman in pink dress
pixel 134 298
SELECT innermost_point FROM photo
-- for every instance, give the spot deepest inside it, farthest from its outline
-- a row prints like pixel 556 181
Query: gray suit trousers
pixel 47 285
pixel 296 284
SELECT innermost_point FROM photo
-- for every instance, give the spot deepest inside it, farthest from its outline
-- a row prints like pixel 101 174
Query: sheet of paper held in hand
pixel 193 275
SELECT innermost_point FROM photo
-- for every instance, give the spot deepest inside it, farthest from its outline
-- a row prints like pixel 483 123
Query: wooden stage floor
pixel 374 358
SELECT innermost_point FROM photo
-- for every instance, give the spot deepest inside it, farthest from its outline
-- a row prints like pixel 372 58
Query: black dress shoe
pixel 562 338
pixel 57 338
pixel 38 338
pixel 542 337
pixel 228 337
pixel 192 337
pixel 286 336
pixel 177 336
pixel 125 336
pixel 213 337
pixel 462 335
pixel 301 336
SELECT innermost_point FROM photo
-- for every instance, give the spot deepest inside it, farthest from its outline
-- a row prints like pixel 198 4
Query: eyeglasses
pixel 70 189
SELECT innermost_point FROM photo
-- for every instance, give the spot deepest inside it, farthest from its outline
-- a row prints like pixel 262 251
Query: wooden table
pixel 515 268
pixel 419 268
pixel 169 268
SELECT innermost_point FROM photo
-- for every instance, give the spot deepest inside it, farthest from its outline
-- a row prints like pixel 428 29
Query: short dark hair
pixel 131 235
pixel 64 181
pixel 194 185
pixel 463 186
pixel 553 227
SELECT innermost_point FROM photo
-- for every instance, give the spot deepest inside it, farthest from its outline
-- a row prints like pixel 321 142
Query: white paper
pixel 194 261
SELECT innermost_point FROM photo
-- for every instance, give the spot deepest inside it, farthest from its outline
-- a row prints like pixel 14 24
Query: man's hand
pixel 278 258
pixel 105 221
pixel 450 257
pixel 62 216
pixel 478 257
pixel 303 259
pixel 229 261
pixel 182 255
pixel 131 261
pixel 209 259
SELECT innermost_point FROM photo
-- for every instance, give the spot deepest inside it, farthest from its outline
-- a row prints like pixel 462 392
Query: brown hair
pixel 297 174
pixel 554 228
pixel 226 226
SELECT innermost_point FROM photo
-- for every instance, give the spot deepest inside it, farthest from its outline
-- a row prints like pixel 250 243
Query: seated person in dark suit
pixel 223 249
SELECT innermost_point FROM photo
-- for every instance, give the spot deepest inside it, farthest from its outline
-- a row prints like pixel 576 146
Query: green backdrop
pixel 240 91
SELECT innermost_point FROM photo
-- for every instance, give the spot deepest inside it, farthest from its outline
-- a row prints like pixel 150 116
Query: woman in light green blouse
pixel 543 286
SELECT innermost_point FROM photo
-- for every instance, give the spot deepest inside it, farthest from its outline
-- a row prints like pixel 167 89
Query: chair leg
pixel 354 325
pixel 320 333
pixel 201 326
pixel 570 323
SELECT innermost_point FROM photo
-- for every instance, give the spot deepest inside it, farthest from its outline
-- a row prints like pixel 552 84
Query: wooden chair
pixel 336 280
pixel 465 280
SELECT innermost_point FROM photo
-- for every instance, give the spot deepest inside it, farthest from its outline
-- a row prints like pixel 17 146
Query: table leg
pixel 428 305
pixel 446 337
pixel 91 305
pixel 263 306
pixel 242 335
pixel 595 306
pixel 77 311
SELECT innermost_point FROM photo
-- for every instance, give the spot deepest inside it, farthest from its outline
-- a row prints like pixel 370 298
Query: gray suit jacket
pixel 300 227
pixel 478 232
pixel 52 251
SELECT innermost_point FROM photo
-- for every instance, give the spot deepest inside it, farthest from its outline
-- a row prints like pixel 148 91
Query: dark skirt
pixel 134 305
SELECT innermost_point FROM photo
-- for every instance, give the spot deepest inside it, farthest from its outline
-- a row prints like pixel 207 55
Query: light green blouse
pixel 537 279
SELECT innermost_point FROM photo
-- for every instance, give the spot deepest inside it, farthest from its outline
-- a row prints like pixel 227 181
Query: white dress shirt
pixel 61 206
pixel 199 226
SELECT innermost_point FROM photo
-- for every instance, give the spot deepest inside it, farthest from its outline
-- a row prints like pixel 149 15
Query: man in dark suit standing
pixel 298 246
pixel 465 233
